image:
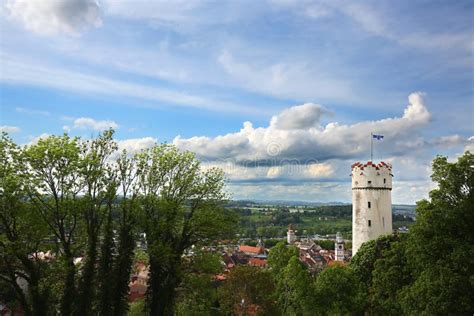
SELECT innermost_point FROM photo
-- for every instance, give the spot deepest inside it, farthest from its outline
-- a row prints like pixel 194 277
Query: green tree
pixel 98 193
pixel 127 178
pixel 295 296
pixel 248 289
pixel 440 246
pixel 22 236
pixel 198 295
pixel 339 292
pixel 326 244
pixel 364 260
pixel 391 273
pixel 53 188
pixel 182 206
pixel 279 257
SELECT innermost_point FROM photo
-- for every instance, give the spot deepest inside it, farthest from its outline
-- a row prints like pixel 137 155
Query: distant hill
pixel 287 203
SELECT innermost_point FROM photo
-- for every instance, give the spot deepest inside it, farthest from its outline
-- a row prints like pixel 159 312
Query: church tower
pixel 339 254
pixel 371 202
pixel 290 235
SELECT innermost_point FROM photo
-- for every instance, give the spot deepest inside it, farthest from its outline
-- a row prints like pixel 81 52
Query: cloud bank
pixel 50 17
pixel 296 135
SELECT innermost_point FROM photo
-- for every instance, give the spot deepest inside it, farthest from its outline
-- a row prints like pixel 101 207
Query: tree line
pixel 71 210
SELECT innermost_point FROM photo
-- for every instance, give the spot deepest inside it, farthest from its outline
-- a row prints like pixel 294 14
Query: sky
pixel 281 94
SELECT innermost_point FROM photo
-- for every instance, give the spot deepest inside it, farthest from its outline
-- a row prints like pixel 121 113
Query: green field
pixel 271 221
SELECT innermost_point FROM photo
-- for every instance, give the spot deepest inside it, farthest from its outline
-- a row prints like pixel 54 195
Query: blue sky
pixel 254 87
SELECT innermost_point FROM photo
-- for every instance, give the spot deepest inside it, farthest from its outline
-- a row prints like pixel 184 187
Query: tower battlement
pixel 371 176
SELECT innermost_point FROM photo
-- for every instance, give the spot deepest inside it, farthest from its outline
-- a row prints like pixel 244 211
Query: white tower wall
pixel 371 202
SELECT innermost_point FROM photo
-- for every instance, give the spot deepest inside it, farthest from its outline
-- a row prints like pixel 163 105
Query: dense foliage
pixel 71 211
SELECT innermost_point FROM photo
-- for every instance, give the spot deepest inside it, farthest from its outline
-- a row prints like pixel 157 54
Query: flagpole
pixel 371 146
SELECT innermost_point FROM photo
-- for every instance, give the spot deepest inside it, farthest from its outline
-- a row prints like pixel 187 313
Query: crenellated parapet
pixel 371 176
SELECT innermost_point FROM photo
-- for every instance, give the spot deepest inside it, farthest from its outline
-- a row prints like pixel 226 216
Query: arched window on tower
pixel 370 223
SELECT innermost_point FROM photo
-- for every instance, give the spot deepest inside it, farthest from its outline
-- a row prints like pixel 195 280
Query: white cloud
pixel 281 172
pixel 449 141
pixel 299 117
pixel 310 144
pixel 9 129
pixel 373 21
pixel 49 17
pixel 34 139
pixel 97 125
pixel 317 11
pixel 32 111
pixel 291 79
pixel 416 109
pixel 470 145
pixel 24 72
pixel 134 145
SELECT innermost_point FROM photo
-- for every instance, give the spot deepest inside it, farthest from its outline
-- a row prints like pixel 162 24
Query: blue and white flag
pixel 377 137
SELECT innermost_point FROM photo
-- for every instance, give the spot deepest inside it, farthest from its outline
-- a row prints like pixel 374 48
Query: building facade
pixel 290 235
pixel 371 202
pixel 339 248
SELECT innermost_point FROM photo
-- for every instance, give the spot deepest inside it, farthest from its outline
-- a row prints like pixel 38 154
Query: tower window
pixel 368 204
pixel 383 222
pixel 384 180
pixel 370 223
pixel 369 182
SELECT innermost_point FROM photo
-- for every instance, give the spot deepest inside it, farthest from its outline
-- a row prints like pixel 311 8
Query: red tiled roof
pixel 257 262
pixel 250 249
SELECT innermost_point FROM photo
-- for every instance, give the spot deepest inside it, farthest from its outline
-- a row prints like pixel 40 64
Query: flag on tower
pixel 377 137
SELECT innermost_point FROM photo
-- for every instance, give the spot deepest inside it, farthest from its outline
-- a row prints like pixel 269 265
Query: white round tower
pixel 371 202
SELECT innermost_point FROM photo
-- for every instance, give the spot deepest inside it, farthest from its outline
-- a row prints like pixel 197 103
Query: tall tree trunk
pixel 86 286
pixel 164 279
pixel 123 268
pixel 106 277
pixel 69 293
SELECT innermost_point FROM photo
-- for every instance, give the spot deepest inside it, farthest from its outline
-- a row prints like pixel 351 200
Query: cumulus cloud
pixel 9 129
pixel 291 136
pixel 90 123
pixel 298 117
pixel 35 139
pixel 470 144
pixel 449 141
pixel 134 145
pixel 49 17
pixel 275 173
pixel 416 110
